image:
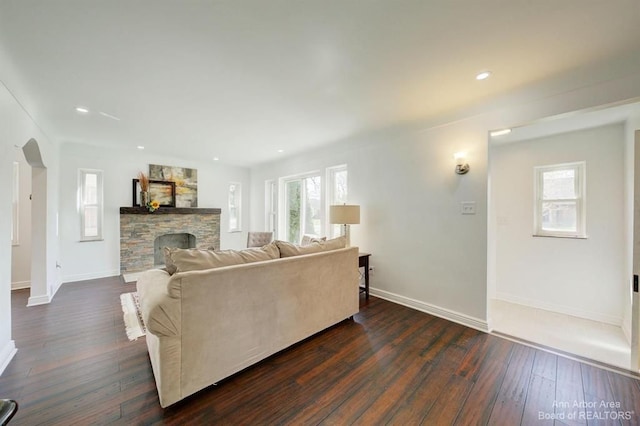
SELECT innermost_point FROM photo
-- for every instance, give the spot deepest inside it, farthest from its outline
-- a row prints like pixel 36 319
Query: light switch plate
pixel 468 207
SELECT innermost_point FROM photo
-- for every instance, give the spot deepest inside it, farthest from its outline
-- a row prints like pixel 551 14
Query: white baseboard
pixel 626 330
pixel 6 355
pixel 91 276
pixel 437 311
pixel 56 288
pixel 562 309
pixel 18 285
pixel 39 300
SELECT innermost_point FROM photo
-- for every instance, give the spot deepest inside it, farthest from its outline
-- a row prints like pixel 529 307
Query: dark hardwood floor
pixel 391 365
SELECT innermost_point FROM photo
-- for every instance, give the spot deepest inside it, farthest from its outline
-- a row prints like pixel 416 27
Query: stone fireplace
pixel 181 240
pixel 143 235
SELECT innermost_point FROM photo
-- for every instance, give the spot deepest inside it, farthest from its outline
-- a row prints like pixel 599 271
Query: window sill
pixel 91 241
pixel 572 237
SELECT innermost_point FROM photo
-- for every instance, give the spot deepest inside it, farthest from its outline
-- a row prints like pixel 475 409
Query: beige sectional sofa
pixel 206 324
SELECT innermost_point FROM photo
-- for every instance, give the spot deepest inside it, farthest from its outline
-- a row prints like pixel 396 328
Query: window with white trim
pixel 302 203
pixel 303 208
pixel 15 189
pixel 90 204
pixel 560 191
pixel 235 204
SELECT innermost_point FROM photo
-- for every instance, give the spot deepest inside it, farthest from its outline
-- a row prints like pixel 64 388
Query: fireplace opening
pixel 180 240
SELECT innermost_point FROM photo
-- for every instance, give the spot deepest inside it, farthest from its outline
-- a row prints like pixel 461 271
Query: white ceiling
pixel 242 79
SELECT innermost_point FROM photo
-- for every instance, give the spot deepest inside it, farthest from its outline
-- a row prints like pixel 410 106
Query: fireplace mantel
pixel 169 210
pixel 139 228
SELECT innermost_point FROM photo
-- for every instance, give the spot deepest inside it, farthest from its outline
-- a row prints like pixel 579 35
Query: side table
pixel 363 262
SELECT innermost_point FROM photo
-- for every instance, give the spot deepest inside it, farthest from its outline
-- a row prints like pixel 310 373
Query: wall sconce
pixel 461 166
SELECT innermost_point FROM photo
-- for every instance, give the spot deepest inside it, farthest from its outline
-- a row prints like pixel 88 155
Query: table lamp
pixel 345 215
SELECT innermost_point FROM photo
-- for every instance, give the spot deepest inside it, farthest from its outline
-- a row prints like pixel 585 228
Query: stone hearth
pixel 139 230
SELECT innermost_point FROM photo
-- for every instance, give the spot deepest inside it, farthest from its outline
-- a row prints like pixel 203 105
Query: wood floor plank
pixel 450 400
pixel 597 395
pixel 487 382
pixel 509 406
pixel 390 365
pixel 626 394
pixel 415 406
pixel 569 401
pixel 539 406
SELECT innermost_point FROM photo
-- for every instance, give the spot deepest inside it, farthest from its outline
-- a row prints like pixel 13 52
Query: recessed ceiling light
pixel 281 150
pixel 215 158
pixel 140 147
pixel 82 110
pixel 483 75
pixel 501 132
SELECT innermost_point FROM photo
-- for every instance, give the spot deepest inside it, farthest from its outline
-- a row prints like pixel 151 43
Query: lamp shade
pixel 344 214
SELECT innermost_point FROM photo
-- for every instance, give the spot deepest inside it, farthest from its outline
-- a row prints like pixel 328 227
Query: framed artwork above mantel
pixel 162 191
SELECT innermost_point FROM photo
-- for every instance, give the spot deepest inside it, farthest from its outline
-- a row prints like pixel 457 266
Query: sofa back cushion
pixel 183 260
pixel 288 249
pixel 308 239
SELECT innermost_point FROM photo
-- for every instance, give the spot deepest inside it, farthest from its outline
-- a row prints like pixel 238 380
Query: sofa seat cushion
pixel 184 260
pixel 288 249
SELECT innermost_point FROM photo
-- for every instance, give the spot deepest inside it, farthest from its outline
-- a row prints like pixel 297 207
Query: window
pixel 235 202
pixel 90 204
pixel 560 200
pixel 303 208
pixel 336 193
pixel 15 189
pixel 302 203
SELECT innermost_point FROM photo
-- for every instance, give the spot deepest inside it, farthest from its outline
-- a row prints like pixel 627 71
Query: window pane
pixel 559 184
pixel 559 216
pixel 312 223
pixel 292 210
pixel 91 221
pixel 235 200
pixel 340 187
pixel 90 188
pixel 338 196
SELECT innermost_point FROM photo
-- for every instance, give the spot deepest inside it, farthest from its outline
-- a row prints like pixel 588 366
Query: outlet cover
pixel 468 207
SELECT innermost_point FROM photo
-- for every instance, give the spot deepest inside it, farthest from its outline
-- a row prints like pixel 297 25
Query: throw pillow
pixel 308 239
pixel 184 260
pixel 287 249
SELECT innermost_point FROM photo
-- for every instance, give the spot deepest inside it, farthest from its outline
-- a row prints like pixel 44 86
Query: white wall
pixel 17 128
pixel 21 253
pixel 426 254
pixel 580 277
pixel 87 260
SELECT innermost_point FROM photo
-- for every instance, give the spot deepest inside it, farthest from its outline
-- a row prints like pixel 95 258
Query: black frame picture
pixel 160 190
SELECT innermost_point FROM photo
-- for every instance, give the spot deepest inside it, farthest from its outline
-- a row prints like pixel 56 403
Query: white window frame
pixel 579 169
pixel 236 198
pixel 15 208
pixel 82 205
pixel 327 182
pixel 282 193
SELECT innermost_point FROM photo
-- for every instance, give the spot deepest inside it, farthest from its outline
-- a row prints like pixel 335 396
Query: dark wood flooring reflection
pixel 391 365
